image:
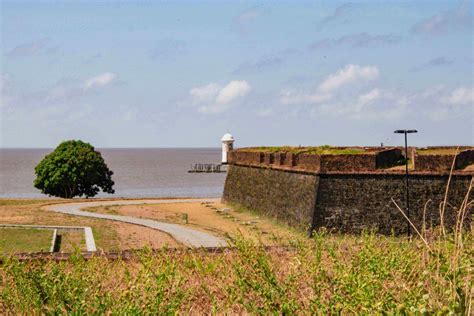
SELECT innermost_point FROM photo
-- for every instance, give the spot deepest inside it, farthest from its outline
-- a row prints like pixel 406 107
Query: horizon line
pixel 218 147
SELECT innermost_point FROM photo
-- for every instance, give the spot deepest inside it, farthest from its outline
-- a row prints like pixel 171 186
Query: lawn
pixel 25 240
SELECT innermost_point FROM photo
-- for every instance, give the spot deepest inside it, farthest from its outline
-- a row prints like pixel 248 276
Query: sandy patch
pixel 133 236
pixel 217 218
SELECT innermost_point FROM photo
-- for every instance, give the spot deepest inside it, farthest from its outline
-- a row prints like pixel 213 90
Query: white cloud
pixel 100 80
pixel 369 96
pixel 348 74
pixel 437 103
pixel 374 104
pixel 214 98
pixel 339 95
pixel 232 91
pixel 461 96
pixel 205 93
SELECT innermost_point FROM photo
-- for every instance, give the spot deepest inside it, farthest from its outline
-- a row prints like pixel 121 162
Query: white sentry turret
pixel 227 145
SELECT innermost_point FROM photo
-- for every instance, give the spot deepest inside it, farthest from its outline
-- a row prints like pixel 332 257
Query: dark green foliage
pixel 74 168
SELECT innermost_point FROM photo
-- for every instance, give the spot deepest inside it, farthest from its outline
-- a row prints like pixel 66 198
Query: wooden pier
pixel 206 168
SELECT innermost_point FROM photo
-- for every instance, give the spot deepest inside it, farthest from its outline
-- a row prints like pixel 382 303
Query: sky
pixel 183 73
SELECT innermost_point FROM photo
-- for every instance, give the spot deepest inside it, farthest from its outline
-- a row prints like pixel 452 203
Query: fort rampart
pixel 348 192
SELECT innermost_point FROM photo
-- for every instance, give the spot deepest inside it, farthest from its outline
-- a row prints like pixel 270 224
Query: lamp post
pixel 406 131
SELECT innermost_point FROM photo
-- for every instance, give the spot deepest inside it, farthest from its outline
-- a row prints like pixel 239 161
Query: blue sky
pixel 182 73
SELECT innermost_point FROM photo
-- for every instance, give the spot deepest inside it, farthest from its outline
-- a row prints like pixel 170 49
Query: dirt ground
pixel 109 236
pixel 216 218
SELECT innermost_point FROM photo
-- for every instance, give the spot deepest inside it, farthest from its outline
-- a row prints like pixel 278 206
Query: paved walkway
pixel 185 235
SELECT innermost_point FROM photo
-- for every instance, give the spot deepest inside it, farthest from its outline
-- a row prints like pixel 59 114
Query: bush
pixel 74 168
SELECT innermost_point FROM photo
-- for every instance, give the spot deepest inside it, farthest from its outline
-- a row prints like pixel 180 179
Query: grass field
pixel 24 240
pixel 328 274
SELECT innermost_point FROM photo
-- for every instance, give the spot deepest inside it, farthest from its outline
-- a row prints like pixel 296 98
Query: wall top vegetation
pixel 363 160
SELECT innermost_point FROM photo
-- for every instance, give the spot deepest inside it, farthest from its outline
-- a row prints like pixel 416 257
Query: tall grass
pixel 328 274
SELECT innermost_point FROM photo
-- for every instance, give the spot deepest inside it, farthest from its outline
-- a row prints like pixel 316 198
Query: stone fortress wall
pixel 350 192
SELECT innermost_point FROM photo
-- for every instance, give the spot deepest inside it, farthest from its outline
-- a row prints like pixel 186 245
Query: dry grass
pixel 329 274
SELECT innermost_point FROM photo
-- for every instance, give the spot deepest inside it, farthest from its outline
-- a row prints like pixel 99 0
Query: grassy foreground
pixel 328 274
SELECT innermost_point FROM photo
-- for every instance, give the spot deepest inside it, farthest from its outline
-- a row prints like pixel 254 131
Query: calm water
pixel 157 172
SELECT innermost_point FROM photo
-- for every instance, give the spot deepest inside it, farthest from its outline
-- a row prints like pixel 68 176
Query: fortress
pixel 349 189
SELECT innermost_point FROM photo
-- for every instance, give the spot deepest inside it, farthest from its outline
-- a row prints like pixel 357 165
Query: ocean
pixel 138 172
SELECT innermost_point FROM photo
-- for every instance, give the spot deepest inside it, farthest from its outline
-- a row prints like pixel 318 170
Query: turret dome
pixel 227 137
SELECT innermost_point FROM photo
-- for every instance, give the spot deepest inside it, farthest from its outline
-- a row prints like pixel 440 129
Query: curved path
pixel 185 235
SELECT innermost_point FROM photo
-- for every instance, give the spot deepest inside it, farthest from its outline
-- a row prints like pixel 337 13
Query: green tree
pixel 74 168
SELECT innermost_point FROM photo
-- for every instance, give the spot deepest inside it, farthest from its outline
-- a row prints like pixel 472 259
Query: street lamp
pixel 406 131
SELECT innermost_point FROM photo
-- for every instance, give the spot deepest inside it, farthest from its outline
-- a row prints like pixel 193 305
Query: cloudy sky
pixel 181 74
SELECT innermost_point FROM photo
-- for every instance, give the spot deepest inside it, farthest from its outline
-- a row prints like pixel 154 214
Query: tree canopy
pixel 74 168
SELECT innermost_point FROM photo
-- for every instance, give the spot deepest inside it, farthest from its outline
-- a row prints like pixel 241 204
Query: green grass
pixel 329 274
pixel 15 240
pixel 437 151
pixel 326 150
pixel 320 150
